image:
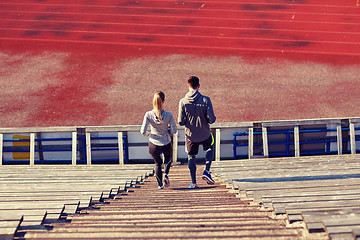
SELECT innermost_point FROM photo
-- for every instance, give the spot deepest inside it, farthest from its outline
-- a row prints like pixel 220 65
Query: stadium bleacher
pixel 293 197
pixel 35 195
pixel 321 191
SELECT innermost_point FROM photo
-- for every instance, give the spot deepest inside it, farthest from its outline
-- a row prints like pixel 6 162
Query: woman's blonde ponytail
pixel 158 100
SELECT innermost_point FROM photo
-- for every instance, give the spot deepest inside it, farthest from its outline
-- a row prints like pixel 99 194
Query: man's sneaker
pixel 193 186
pixel 160 187
pixel 166 181
pixel 207 177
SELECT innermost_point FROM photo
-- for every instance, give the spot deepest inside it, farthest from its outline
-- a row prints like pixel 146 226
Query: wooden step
pixel 176 212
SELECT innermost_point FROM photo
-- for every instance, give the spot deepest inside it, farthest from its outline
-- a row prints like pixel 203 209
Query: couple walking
pixel 195 113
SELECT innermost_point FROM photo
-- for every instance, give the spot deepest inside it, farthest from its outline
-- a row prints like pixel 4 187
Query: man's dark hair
pixel 193 81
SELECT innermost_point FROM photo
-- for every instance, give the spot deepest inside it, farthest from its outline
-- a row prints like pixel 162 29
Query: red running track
pixel 96 34
pixel 260 26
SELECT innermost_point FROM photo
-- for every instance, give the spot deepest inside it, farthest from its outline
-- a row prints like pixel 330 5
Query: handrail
pixel 38 129
pixel 256 132
pixel 302 122
pixel 214 126
pixel 296 140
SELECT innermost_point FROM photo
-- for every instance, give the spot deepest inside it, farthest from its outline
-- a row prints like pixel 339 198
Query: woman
pixel 162 124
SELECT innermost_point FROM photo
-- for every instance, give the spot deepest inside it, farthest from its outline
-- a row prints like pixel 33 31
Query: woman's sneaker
pixel 193 186
pixel 160 187
pixel 166 181
pixel 207 177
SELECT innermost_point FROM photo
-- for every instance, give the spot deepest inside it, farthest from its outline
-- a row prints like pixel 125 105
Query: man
pixel 196 113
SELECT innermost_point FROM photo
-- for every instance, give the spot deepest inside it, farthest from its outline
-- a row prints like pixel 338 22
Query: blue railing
pixel 289 142
pixel 109 147
pixel 244 143
pixel 81 147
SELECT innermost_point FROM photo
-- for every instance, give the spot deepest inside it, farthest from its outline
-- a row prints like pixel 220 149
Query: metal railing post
pixel 339 138
pixel 251 142
pixel 297 140
pixel 217 144
pixel 88 148
pixel 175 147
pixel 352 138
pixel 121 147
pixel 74 147
pixel 265 142
pixel 1 148
pixel 32 148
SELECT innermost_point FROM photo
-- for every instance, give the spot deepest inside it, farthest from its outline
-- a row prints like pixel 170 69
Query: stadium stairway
pixel 176 212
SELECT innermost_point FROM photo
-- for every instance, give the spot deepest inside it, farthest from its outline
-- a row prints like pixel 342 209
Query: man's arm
pixel 210 112
pixel 181 115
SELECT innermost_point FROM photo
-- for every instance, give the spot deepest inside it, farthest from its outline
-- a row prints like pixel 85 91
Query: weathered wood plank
pixel 54 193
pixel 341 236
pixel 309 191
pixel 324 211
pixel 356 233
pixel 319 205
pixel 17 214
pixel 56 206
pixel 271 235
pixel 312 199
pixel 295 218
pixel 95 196
pixel 9 223
pixel 37 218
pixel 341 220
pixel 7 233
pixel 315 227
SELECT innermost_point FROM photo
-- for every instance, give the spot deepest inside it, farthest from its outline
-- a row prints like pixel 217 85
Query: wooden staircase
pixel 176 212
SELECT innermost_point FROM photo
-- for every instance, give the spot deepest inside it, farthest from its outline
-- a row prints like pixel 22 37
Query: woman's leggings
pixel 155 152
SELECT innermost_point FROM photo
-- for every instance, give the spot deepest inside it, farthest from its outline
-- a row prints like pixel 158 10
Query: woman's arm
pixel 173 127
pixel 144 126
